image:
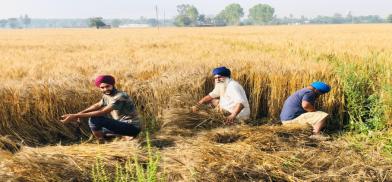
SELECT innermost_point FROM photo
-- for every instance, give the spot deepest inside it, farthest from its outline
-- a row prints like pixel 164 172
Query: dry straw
pixel 47 73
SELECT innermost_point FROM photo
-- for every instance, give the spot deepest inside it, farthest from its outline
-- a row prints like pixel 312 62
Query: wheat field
pixel 48 72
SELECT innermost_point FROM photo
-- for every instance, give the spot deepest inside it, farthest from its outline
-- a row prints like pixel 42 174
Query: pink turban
pixel 104 79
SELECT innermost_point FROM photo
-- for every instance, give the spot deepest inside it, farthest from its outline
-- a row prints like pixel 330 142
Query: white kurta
pixel 230 97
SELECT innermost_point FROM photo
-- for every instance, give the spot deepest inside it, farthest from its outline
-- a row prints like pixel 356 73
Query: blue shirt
pixel 292 107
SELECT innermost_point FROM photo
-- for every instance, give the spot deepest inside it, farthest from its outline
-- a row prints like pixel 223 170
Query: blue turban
pixel 222 71
pixel 321 87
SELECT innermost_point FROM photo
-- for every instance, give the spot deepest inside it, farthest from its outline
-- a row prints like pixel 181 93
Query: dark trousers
pixel 107 125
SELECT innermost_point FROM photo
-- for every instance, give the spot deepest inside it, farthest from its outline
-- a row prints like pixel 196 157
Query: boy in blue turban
pixel 228 96
pixel 300 107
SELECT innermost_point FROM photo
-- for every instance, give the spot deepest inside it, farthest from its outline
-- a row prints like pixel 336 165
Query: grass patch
pixel 132 170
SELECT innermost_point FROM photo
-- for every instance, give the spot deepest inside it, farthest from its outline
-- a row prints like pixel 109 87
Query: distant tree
pixel 303 19
pixel 204 20
pixel 96 22
pixel 152 22
pixel 231 14
pixel 389 18
pixel 349 17
pixel 187 15
pixel 142 19
pixel 368 19
pixel 209 20
pixel 26 20
pixel 337 18
pixel 261 13
pixel 201 19
pixel 116 23
pixel 220 20
pixel 182 21
pixel 3 23
pixel 13 22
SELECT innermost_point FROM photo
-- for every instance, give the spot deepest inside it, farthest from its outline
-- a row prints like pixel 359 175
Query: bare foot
pixel 127 138
pixel 320 137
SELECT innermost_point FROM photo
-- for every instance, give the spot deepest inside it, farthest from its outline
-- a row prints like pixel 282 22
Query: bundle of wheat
pixel 9 144
pixel 68 163
pixel 277 153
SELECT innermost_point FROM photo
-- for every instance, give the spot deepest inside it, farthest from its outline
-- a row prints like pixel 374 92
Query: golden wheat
pixel 48 72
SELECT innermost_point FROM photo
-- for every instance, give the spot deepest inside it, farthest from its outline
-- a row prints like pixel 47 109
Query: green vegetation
pixel 261 14
pixel 132 170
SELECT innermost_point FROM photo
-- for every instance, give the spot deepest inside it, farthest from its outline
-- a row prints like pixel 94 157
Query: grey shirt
pixel 123 107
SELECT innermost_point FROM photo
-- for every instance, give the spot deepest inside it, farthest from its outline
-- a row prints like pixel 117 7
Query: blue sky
pixel 136 9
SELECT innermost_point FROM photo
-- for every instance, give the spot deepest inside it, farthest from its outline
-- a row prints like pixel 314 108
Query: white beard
pixel 222 86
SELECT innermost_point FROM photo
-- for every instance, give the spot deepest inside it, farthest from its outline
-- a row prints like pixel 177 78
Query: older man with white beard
pixel 228 95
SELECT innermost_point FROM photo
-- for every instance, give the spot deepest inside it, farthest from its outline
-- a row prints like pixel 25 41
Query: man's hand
pixel 205 99
pixel 68 118
pixel 230 119
pixel 195 108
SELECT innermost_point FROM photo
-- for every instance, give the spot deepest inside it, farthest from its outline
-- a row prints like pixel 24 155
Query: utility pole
pixel 164 17
pixel 157 15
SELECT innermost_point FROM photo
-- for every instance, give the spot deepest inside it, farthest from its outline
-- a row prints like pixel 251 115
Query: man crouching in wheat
pixel 300 108
pixel 115 114
pixel 228 96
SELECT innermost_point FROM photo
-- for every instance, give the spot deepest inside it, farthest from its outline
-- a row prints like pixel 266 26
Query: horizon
pixel 122 9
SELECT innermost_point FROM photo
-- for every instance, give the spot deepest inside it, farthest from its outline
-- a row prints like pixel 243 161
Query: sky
pixel 167 8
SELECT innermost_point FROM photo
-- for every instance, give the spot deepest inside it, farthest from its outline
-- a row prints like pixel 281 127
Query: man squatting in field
pixel 114 114
pixel 300 107
pixel 228 96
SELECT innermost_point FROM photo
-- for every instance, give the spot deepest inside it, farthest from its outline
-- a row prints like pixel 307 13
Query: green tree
pixel 3 23
pixel 349 17
pixel 25 20
pixel 220 20
pixel 202 19
pixel 116 23
pixel 261 14
pixel 96 22
pixel 389 18
pixel 182 21
pixel 13 22
pixel 187 15
pixel 231 14
pixel 337 18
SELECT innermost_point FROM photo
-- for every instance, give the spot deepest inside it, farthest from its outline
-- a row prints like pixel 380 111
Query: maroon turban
pixel 104 79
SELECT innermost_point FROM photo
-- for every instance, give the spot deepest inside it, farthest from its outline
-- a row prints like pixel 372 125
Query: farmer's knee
pixel 95 123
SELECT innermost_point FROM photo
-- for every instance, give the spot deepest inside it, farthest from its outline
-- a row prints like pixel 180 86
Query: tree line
pixel 262 14
pixel 188 15
pixel 22 22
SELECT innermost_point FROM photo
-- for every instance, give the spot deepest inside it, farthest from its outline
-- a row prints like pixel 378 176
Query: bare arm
pixel 101 112
pixel 205 99
pixel 72 117
pixel 309 107
pixel 93 107
pixel 238 108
